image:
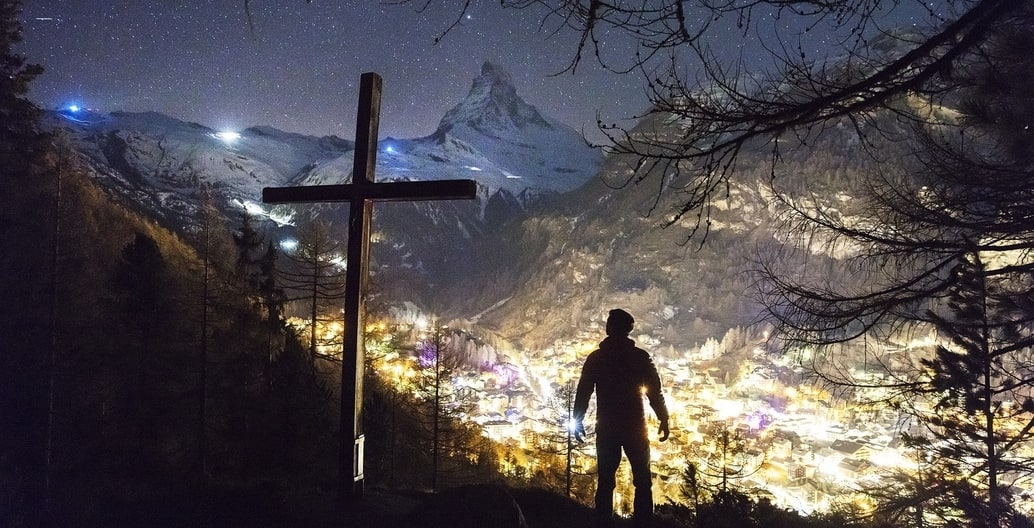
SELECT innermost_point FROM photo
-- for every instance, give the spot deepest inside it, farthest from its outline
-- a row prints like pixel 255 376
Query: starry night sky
pixel 296 66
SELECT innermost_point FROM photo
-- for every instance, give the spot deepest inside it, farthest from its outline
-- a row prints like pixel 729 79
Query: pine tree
pixel 982 404
pixel 139 348
pixel 301 425
pixel 18 116
pixel 272 296
pixel 256 270
pixel 315 279
pixel 558 446
pixel 443 408
pixel 249 243
pixel 945 247
pixel 24 327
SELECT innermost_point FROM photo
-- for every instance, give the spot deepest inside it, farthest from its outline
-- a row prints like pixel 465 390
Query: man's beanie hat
pixel 619 322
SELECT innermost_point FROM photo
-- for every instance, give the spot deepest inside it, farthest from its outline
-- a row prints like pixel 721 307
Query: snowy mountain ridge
pixel 516 155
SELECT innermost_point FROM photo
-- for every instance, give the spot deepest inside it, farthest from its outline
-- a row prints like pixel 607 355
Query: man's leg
pixel 608 456
pixel 638 452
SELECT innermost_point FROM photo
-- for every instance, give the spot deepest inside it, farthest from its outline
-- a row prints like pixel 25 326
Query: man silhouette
pixel 621 374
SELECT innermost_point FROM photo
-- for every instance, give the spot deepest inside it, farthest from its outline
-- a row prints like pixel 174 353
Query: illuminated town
pixel 798 446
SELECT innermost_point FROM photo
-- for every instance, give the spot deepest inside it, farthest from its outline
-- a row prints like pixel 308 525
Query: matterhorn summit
pixel 495 122
pixel 492 107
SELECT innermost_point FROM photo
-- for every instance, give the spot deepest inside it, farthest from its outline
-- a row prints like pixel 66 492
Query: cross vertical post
pixel 360 214
pixel 360 194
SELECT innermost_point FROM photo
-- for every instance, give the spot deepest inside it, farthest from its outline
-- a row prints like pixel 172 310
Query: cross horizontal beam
pixel 378 192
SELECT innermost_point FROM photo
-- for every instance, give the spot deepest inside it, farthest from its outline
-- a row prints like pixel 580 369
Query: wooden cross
pixel 361 194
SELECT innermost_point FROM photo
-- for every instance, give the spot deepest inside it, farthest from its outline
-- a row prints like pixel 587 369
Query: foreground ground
pixel 474 506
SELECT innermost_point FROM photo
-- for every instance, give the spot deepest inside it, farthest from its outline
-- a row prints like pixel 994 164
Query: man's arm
pixel 656 397
pixel 586 384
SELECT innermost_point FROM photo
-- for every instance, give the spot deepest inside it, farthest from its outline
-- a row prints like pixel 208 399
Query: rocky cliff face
pixel 556 274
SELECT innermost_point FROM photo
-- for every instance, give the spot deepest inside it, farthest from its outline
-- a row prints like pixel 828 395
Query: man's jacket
pixel 621 374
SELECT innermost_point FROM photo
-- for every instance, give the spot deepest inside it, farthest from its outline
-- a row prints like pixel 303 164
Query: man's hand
pixel 663 431
pixel 579 431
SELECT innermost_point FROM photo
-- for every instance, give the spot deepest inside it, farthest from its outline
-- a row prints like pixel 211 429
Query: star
pixel 294 65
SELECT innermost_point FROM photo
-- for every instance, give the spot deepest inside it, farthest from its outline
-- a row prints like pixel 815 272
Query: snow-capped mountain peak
pixel 527 149
pixel 492 105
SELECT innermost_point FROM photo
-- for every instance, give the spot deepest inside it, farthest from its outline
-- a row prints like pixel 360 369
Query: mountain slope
pixel 162 167
pixel 555 276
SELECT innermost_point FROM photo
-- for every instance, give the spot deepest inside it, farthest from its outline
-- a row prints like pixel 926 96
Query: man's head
pixel 619 323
